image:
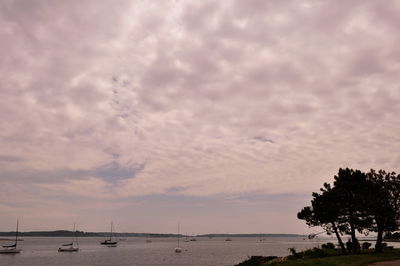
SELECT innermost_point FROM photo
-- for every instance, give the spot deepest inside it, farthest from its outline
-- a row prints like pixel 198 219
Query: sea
pixel 43 251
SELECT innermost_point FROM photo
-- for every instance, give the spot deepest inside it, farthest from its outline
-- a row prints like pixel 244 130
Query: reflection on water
pixel 160 251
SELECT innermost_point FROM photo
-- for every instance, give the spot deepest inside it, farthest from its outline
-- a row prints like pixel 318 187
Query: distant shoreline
pixel 62 233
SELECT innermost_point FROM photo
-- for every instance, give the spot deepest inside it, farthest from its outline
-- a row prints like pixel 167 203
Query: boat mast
pixel 16 235
pixel 74 236
pixel 111 231
pixel 178 232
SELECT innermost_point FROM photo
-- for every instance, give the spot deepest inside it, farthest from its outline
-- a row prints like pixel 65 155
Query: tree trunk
pixel 356 245
pixel 344 251
pixel 379 238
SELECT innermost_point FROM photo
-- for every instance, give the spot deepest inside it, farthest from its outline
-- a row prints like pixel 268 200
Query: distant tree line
pixel 356 202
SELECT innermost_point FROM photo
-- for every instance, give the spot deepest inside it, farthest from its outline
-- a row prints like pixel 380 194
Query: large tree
pixel 324 212
pixel 353 193
pixel 341 208
pixel 356 202
pixel 384 203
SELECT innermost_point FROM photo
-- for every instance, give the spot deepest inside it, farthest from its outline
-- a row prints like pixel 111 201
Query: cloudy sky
pixel 223 115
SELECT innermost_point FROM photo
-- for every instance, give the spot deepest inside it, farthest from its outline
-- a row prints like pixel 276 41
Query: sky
pixel 222 115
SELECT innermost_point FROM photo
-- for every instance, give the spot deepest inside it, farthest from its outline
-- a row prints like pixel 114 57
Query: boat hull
pixel 10 251
pixel 108 243
pixel 68 249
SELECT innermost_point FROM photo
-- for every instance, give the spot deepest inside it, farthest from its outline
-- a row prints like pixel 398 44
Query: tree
pixel 352 189
pixel 324 212
pixel 356 202
pixel 384 206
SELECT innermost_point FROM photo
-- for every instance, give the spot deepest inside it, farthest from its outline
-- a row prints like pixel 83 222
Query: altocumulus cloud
pixel 111 173
pixel 194 98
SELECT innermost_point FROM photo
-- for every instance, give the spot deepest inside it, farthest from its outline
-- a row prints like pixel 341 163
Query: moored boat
pixel 178 249
pixel 110 242
pixel 70 247
pixel 11 249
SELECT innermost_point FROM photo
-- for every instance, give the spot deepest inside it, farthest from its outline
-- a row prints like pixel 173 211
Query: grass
pixel 348 260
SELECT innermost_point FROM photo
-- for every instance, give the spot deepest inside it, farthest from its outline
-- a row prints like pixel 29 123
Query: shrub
pixel 315 253
pixel 328 245
pixel 294 253
pixel 365 245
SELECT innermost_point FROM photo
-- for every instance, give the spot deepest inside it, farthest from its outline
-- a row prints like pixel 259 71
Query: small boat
pixel 148 240
pixel 70 247
pixel 110 242
pixel 228 239
pixel 178 249
pixel 11 249
pixel 186 239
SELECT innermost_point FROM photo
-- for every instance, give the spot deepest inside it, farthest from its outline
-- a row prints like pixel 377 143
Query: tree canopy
pixel 356 201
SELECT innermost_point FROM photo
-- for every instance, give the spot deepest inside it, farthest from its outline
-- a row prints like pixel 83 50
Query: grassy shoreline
pixel 341 260
pixel 346 260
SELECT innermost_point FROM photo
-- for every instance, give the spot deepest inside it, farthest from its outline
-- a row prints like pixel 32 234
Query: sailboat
pixel 109 242
pixel 261 238
pixel 70 247
pixel 11 249
pixel 178 249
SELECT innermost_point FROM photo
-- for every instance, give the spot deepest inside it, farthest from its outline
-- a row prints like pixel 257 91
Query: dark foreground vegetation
pixel 345 260
pixel 326 256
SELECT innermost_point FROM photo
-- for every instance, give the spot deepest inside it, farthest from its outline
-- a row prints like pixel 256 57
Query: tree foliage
pixel 356 202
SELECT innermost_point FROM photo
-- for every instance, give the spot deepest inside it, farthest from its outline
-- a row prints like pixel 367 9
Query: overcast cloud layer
pixel 225 115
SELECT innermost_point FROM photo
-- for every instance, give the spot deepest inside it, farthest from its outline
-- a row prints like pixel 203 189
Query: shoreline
pixel 388 257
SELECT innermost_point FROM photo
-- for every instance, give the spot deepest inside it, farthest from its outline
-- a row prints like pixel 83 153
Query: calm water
pixel 42 251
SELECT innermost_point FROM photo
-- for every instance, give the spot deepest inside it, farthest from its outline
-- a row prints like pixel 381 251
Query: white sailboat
pixel 178 249
pixel 110 242
pixel 11 249
pixel 70 247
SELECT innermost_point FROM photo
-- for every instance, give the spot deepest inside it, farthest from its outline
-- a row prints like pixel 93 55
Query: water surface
pixel 42 251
